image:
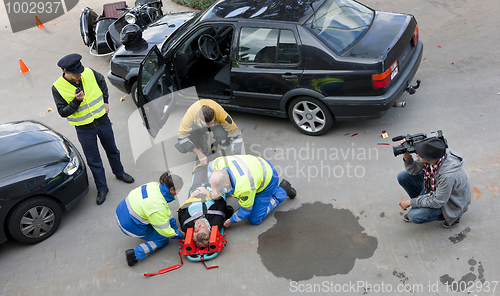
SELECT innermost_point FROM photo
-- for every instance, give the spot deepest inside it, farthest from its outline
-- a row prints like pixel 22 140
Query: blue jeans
pixel 414 186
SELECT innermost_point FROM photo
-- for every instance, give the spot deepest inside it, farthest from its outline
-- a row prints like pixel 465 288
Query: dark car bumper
pixel 369 107
pixel 117 82
pixel 73 189
pixel 81 184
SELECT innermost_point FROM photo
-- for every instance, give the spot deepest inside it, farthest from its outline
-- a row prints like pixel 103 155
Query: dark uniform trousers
pixel 88 140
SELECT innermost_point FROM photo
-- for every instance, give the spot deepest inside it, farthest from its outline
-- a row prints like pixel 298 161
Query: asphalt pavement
pixel 342 235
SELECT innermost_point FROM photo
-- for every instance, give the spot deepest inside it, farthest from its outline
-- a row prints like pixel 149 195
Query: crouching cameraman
pixel 436 182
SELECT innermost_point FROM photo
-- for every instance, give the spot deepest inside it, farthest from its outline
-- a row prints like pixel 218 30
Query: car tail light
pixel 415 37
pixel 382 80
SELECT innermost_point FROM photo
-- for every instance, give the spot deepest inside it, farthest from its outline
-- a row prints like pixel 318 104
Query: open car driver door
pixel 154 91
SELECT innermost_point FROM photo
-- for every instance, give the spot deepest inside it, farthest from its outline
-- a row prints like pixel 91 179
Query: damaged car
pixel 314 62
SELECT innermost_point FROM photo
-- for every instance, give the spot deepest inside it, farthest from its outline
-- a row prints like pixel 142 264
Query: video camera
pixel 408 146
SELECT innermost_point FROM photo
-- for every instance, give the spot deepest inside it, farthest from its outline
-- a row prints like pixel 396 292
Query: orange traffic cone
pixel 24 69
pixel 39 23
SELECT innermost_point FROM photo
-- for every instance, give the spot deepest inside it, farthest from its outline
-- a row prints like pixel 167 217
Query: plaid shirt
pixel 429 175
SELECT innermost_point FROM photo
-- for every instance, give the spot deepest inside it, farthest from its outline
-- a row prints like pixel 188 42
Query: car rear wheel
pixel 310 116
pixel 34 220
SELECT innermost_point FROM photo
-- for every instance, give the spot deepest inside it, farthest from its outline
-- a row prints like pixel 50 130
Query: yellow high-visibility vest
pixel 148 205
pixel 92 106
pixel 252 175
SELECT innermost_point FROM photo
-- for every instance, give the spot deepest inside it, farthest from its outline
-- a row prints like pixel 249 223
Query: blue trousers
pixel 133 228
pixel 88 140
pixel 414 186
pixel 267 200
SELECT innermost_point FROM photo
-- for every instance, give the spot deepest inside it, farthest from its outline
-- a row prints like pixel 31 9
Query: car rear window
pixel 340 23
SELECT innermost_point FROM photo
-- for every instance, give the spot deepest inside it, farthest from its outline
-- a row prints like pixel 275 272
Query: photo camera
pixel 408 146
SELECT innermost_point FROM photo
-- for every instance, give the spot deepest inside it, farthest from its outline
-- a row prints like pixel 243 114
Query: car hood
pixel 384 34
pixel 156 33
pixel 26 145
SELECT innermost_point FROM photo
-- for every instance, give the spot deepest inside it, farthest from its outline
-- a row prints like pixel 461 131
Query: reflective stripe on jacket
pixel 251 175
pixel 148 205
pixel 92 106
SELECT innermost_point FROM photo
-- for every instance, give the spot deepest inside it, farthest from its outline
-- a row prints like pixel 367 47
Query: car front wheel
pixel 310 116
pixel 34 220
pixel 133 94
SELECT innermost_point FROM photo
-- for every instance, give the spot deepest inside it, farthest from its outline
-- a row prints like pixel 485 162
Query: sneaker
pixel 290 191
pixel 130 256
pixel 446 225
pixel 405 217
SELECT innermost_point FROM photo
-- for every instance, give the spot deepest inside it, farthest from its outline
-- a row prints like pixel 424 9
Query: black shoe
pixel 405 217
pixel 126 178
pixel 130 256
pixel 290 191
pixel 230 209
pixel 214 147
pixel 101 196
pixel 446 225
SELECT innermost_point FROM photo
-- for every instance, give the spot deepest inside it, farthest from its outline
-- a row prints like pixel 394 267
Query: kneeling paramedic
pixel 253 181
pixel 145 214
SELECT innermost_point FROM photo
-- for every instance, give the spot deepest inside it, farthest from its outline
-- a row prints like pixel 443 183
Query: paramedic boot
pixel 130 255
pixel 290 191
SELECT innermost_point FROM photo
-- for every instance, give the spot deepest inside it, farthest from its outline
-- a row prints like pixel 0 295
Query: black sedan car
pixel 313 61
pixel 41 174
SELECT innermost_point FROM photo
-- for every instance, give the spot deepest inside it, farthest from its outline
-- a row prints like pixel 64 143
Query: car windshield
pixel 340 23
pixel 180 32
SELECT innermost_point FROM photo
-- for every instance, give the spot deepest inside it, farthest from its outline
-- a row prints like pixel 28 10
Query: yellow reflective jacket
pixel 251 175
pixel 92 106
pixel 147 204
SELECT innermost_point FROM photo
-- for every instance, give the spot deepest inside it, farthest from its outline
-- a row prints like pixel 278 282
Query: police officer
pixel 253 181
pixel 81 96
pixel 145 214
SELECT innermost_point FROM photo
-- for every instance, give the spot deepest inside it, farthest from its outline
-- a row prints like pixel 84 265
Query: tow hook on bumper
pixel 412 89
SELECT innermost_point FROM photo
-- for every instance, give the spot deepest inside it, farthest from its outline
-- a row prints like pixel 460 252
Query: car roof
pixel 262 10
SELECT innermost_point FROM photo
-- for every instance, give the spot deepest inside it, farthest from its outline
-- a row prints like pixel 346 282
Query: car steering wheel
pixel 209 47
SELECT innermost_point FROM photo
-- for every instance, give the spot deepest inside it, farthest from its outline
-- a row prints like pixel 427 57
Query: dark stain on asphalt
pixel 459 237
pixel 467 280
pixel 314 240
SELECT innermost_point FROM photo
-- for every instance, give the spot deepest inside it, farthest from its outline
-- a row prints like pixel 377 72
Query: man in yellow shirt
pixel 206 116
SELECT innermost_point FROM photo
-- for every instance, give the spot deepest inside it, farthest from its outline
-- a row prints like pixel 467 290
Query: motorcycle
pixel 102 32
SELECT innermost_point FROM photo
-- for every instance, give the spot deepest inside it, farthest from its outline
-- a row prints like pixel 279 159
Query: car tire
pixel 310 116
pixel 34 220
pixel 133 93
